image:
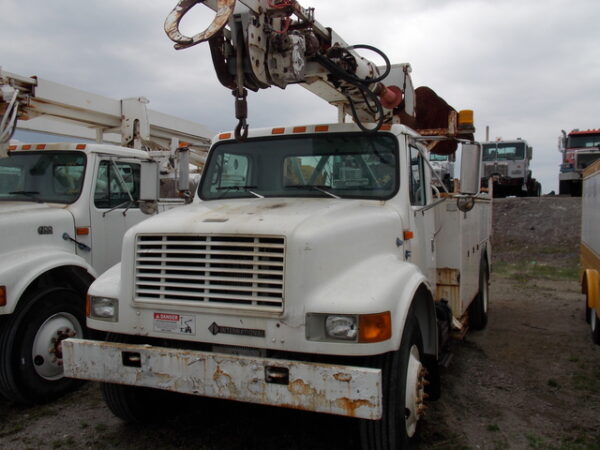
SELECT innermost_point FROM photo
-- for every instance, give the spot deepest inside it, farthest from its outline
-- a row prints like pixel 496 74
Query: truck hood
pixel 27 225
pixel 324 238
pixel 274 216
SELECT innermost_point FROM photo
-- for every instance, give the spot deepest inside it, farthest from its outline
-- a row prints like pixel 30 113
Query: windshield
pixel 54 177
pixel 329 165
pixel 503 152
pixel 584 141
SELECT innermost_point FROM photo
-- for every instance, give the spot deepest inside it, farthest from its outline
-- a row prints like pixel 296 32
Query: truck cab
pixel 580 149
pixel 443 168
pixel 315 267
pixel 64 209
pixel 507 163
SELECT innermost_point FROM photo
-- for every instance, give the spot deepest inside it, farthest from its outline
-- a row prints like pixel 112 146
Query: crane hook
pixel 241 130
pixel 241 113
pixel 224 11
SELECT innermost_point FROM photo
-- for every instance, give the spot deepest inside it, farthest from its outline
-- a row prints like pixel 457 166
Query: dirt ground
pixel 531 379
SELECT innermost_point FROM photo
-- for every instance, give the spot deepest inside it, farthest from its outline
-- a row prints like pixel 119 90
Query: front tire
pixel 133 404
pixel 31 346
pixel 403 379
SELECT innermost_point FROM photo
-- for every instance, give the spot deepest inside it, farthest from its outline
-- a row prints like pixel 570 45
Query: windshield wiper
pixel 29 194
pixel 226 189
pixel 323 189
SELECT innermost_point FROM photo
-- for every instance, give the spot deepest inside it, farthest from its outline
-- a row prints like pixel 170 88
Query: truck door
pixel 423 253
pixel 114 209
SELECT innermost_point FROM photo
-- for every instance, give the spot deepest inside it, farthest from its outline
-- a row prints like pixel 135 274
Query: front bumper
pixel 327 388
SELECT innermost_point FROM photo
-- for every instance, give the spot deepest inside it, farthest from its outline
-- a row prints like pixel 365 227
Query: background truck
pixel 443 167
pixel 64 208
pixel 590 247
pixel 317 268
pixel 579 150
pixel 507 163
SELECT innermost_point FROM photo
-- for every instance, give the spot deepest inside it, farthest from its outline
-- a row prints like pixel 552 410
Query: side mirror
pixel 183 179
pixel 470 169
pixel 149 187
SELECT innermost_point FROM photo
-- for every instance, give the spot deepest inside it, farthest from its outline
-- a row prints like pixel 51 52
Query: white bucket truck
pixel 64 208
pixel 318 267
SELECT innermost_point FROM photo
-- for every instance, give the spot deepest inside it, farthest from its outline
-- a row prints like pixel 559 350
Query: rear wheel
pixel 31 346
pixel 478 310
pixel 403 378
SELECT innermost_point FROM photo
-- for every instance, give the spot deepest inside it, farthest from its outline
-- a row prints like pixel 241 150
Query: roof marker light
pixel 225 136
pixel 278 131
pixel 322 128
pixel 80 146
pixel 26 147
pixel 299 130
pixel 40 146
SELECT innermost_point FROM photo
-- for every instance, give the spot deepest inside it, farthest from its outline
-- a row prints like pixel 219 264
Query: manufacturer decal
pixel 174 323
pixel 45 229
pixel 216 329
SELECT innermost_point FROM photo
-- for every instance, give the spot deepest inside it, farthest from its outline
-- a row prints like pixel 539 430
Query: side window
pixel 417 178
pixel 113 188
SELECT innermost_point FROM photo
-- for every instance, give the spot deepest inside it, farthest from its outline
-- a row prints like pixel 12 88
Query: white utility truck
pixel 590 247
pixel 64 208
pixel 317 267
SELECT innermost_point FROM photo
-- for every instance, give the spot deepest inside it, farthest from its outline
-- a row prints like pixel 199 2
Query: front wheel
pixel 31 346
pixel 403 378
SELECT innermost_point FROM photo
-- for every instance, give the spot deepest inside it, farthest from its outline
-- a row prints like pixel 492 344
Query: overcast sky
pixel 528 68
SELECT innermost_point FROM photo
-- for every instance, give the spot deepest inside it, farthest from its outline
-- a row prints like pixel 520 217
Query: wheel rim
pixel 47 344
pixel 415 390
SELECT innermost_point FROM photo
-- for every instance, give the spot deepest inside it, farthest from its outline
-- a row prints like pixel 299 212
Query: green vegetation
pixel 525 272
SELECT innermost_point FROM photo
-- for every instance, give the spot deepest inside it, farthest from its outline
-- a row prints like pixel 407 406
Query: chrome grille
pixel 216 270
pixel 490 169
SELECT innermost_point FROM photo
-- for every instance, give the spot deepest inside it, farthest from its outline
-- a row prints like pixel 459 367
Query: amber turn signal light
pixel 375 327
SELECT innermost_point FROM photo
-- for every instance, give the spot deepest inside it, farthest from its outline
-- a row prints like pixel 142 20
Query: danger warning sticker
pixel 174 323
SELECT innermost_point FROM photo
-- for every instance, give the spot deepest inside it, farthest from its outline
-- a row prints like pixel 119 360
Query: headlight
pixel 361 328
pixel 341 327
pixel 104 308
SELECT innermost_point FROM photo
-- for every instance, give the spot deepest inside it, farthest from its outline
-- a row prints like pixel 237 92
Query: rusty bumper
pixel 327 388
